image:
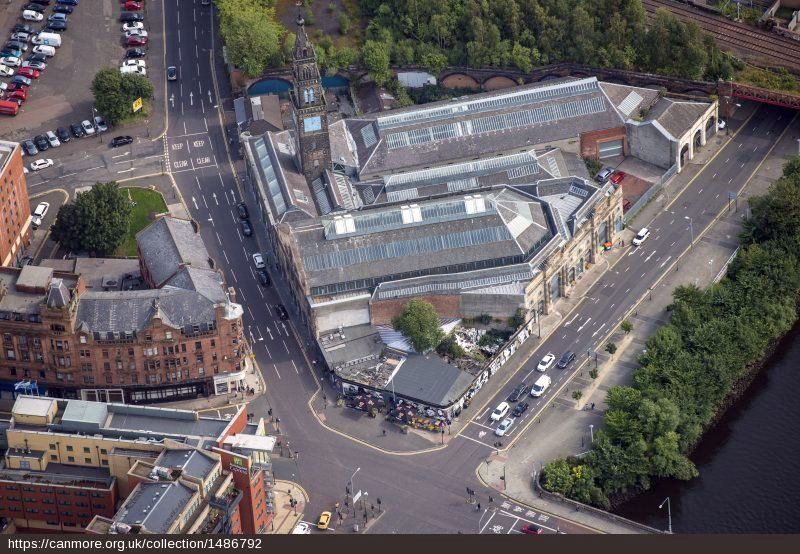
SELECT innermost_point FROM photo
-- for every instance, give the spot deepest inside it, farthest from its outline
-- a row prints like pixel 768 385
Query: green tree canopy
pixel 96 222
pixel 252 35
pixel 375 56
pixel 114 93
pixel 419 322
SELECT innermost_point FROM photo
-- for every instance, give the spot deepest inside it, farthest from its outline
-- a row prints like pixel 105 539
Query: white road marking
pixel 584 325
pixel 241 292
pixel 463 436
pixel 233 273
pixel 598 330
pixel 226 258
pixel 295 367
pixel 219 240
pixel 665 261
pixel 276 370
pixel 573 319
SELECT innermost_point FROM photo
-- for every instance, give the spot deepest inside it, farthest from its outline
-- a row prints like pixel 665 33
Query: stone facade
pixel 15 224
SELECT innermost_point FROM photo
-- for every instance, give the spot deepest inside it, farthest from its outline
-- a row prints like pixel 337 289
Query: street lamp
pixel 669 513
pixel 352 477
pixel 591 431
pixel 691 227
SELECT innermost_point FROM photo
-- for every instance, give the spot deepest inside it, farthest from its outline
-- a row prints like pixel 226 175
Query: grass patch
pixel 148 203
pixel 778 79
pixel 141 114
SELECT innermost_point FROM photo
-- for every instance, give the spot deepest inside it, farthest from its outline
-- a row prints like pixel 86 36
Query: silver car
pixel 52 139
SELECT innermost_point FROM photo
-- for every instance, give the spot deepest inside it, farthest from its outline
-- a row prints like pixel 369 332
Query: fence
pixel 651 192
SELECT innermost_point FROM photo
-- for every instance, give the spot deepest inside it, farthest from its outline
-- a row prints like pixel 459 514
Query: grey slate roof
pixel 58 294
pixel 208 282
pixel 430 380
pixel 155 505
pixel 192 462
pixel 677 117
pixel 167 244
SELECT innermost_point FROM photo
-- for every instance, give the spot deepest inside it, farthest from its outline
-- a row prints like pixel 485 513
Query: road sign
pixel 356 496
pixel 137 104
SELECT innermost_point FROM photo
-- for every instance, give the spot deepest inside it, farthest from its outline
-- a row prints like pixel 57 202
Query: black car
pixel 43 2
pixel 247 229
pixel 41 142
pixel 16 45
pixel 62 8
pixel 263 278
pixel 136 53
pixel 57 26
pixel 241 207
pixel 566 359
pixel 22 28
pixel 29 148
pixel 127 17
pixel 121 141
pixel 172 73
pixel 520 409
pixel 63 134
pixel 518 392
pixel 37 58
pixel 282 313
pixel 35 8
pixel 77 130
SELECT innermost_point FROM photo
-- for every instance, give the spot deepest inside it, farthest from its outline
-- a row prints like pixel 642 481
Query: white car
pixel 503 428
pixel 301 528
pixel 641 236
pixel 100 123
pixel 499 412
pixel 87 127
pixel 258 259
pixel 132 25
pixel 30 15
pixel 41 164
pixel 39 66
pixel 134 63
pixel 540 386
pixel 20 36
pixel 721 124
pixel 11 61
pixel 135 33
pixel 126 69
pixel 6 71
pixel 48 51
pixel 52 139
pixel 39 213
pixel 546 362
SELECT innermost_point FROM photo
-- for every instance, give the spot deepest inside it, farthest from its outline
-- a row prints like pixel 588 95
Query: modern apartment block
pixel 75 465
pixel 82 332
pixel 15 211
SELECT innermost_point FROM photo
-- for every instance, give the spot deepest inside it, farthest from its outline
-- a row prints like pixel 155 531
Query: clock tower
pixel 308 101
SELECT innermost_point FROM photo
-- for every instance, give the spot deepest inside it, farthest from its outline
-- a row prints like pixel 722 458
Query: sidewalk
pixel 286 517
pixel 566 429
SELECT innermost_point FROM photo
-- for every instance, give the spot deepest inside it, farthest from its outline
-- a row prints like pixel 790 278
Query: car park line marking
pixel 286 347
pixel 67 175
pixel 276 369
pixel 97 167
pixel 251 312
pixel 240 237
pixel 233 273
pixel 480 531
pixel 126 170
pixel 261 292
pixel 242 293
pixel 218 239
pixel 482 415
pixel 226 257
pixel 204 200
pixel 714 176
pixel 120 155
pixel 295 368
pixel 180 59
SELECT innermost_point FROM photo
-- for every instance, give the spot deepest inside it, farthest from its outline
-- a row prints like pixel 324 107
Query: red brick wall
pixel 15 209
pixel 383 311
pixel 590 141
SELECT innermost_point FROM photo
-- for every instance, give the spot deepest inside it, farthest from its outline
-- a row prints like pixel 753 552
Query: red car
pixel 16 86
pixel 28 72
pixel 132 6
pixel 136 41
pixel 617 177
pixel 17 95
pixel 531 529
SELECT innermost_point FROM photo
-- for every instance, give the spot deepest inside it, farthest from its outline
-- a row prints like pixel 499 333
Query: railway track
pixel 771 49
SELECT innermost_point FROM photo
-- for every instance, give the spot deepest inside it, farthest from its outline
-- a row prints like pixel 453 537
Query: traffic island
pixel 290 501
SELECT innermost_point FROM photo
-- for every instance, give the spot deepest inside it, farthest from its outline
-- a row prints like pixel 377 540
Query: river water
pixel 749 463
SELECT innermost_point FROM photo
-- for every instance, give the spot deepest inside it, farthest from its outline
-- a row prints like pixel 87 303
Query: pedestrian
pixel 384 432
pixel 623 243
pixel 593 405
pixel 478 507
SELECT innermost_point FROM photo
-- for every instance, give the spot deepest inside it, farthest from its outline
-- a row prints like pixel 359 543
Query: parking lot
pixel 62 95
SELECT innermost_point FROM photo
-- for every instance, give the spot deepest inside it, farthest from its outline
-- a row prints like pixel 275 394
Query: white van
pixel 30 15
pixel 48 51
pixel 540 386
pixel 133 69
pixel 48 39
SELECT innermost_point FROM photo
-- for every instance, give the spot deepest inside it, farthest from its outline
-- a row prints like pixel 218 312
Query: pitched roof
pixel 677 117
pixel 208 282
pixel 169 243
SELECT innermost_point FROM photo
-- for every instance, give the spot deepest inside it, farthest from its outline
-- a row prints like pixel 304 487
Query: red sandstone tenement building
pixel 79 334
pixel 15 211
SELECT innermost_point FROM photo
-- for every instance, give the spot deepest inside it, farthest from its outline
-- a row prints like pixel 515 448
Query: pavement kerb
pixel 47 235
pixel 164 54
pixel 523 503
pixel 639 300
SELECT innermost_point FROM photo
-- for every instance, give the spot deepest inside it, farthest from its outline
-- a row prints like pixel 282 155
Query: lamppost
pixel 591 431
pixel 352 478
pixel 669 513
pixel 691 228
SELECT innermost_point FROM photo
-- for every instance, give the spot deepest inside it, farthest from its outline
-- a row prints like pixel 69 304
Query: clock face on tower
pixel 311 124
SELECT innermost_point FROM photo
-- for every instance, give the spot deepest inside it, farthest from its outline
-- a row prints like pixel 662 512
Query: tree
pixel 251 33
pixel 626 326
pixel 114 93
pixel 376 59
pixel 576 394
pixel 611 348
pixel 419 322
pixel 96 222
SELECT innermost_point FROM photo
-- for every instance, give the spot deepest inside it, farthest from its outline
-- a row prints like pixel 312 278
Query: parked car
pixel 48 51
pixel 87 127
pixel 6 71
pixel 39 213
pixel 29 148
pixel 301 528
pixel 135 41
pixel 626 205
pixel 136 53
pixel 28 72
pixel 500 411
pixel 258 260
pixel 42 2
pixel 22 28
pixel 519 409
pixel 641 236
pixel 63 8
pixel 100 124
pixel 132 5
pixel 121 141
pixel 11 61
pixel 132 25
pixel 566 359
pixel 617 177
pixel 540 386
pixel 247 229
pixel 136 33
pixel 30 15
pixel 531 529
pixel 603 175
pixel 21 36
pixel 10 53
pixel 16 85
pixel 546 362
pixel 172 73
pixel 17 45
pixel 63 134
pixel 40 66
pixel 41 164
pixel 134 63
pixel 34 7
pixel 52 139
pixel 36 57
pixel 68 2
pixel 282 313
pixel 19 94
pixel 57 17
pixel 503 428
pixel 41 142
pixel 517 393
pixel 77 130
pixel 241 208
pixel 57 25
pixel 127 69
pixel 263 278
pixel 130 16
